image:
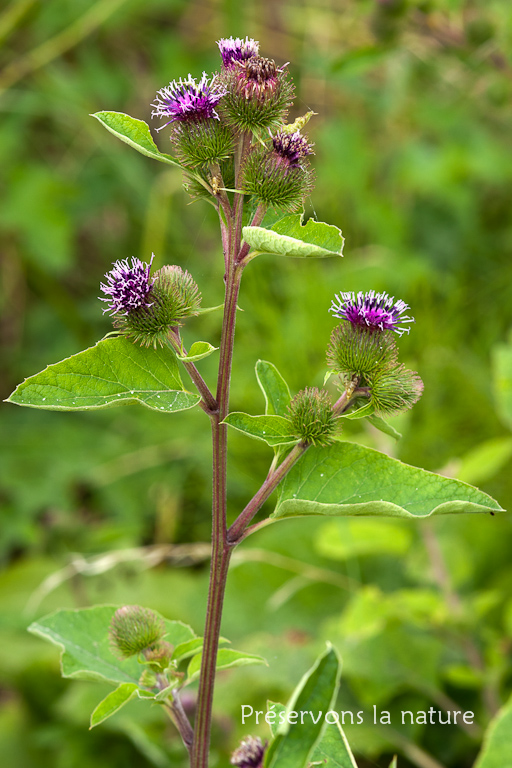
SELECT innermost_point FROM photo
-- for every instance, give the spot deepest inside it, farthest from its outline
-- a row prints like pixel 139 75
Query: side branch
pixel 236 531
pixel 208 402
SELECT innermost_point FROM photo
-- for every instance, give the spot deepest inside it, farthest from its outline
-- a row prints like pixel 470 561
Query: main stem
pixel 221 548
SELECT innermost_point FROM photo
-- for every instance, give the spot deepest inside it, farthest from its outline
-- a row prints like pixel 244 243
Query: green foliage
pixel 226 658
pixel 496 750
pixel 502 364
pixel 114 372
pixel 349 479
pixel 274 387
pixel 412 161
pixel 84 639
pixel 198 351
pixel 290 237
pixel 114 702
pixel 294 741
pixel 272 429
pixel 135 133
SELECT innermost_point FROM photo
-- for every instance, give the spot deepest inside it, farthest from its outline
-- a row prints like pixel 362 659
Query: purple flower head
pixel 127 288
pixel 186 100
pixel 249 754
pixel 258 77
pixel 373 310
pixel 236 49
pixel 291 147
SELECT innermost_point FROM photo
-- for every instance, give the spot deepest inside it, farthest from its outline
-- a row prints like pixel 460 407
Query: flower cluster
pixel 364 353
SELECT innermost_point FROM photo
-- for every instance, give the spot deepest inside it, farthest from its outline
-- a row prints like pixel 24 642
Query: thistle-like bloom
pixel 236 49
pixel 188 101
pixel 128 288
pixel 258 77
pixel 373 310
pixel 249 754
pixel 291 147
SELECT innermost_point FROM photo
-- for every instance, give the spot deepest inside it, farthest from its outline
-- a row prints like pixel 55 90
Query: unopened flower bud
pixel 250 753
pixel 394 389
pixel 312 416
pixel 134 629
pixel 159 656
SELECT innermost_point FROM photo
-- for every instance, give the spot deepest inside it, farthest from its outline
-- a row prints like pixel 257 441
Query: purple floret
pixel 373 310
pixel 250 753
pixel 292 147
pixel 127 288
pixel 186 100
pixel 235 49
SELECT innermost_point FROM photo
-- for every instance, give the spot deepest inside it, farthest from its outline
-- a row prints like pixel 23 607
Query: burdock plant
pixel 228 133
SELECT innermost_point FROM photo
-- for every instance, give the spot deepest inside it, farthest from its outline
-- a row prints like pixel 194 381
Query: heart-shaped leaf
pixel 289 237
pixel 134 132
pixel 349 479
pixel 113 372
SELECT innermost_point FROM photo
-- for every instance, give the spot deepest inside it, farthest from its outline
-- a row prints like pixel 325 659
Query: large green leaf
pixel 274 387
pixel 497 748
pixel 273 430
pixel 134 132
pixel 226 658
pixel 294 741
pixel 349 479
pixel 332 751
pixel 113 372
pixel 289 237
pixel 83 636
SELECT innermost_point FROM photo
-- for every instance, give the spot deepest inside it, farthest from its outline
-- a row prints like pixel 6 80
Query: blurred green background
pixel 413 143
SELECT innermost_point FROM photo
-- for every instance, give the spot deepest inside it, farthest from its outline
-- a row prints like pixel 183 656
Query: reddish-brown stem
pixel 209 403
pixel 244 518
pixel 221 549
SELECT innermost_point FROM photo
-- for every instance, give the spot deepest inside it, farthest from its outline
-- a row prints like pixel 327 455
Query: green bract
pixel 275 184
pixel 355 350
pixel 203 142
pixel 174 296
